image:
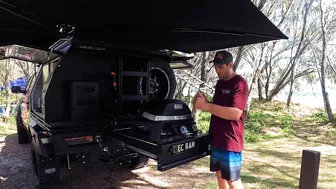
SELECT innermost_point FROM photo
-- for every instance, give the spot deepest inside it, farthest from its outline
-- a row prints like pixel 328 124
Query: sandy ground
pixel 16 172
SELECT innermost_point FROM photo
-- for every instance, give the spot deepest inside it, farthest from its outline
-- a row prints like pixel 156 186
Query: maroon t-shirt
pixel 227 134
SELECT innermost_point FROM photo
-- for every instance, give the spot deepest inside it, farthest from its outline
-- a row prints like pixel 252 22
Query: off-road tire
pixel 23 136
pixel 163 68
pixel 138 162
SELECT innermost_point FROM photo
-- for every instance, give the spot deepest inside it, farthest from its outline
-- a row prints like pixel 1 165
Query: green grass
pixel 203 122
pixel 209 185
pixel 271 120
pixel 315 128
pixel 7 129
pixel 266 120
pixel 276 163
pixel 331 135
pixel 275 136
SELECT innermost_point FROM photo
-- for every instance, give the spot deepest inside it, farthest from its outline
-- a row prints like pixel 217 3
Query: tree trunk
pixel 253 81
pixel 260 4
pixel 24 66
pixel 330 66
pixel 8 103
pixel 8 92
pixel 181 86
pixel 179 91
pixel 203 74
pixel 204 60
pixel 268 69
pixel 327 106
pixel 283 85
pixel 289 98
pixel 190 98
pixel 268 77
pixel 27 72
pixel 299 51
pixel 260 89
pixel 258 70
pixel 249 101
pixel 238 58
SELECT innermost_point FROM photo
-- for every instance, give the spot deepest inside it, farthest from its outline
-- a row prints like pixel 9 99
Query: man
pixel 227 121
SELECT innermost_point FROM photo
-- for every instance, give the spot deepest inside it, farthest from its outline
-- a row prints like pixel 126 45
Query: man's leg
pixel 227 166
pixel 237 184
pixel 215 167
pixel 222 183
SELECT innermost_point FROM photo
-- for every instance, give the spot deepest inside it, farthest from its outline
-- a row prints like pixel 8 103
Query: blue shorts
pixel 229 163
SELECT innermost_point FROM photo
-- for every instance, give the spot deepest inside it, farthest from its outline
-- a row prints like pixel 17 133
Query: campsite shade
pixel 189 26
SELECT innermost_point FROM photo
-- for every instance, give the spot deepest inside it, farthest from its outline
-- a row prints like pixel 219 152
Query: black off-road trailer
pixel 103 87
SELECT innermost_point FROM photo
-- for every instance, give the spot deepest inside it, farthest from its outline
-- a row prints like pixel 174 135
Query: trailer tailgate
pixel 168 154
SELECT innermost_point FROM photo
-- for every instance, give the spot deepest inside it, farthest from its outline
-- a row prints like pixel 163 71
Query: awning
pixel 188 26
pixel 26 54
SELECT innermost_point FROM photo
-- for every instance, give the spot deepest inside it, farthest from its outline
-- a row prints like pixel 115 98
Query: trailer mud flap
pixel 169 154
pixel 37 143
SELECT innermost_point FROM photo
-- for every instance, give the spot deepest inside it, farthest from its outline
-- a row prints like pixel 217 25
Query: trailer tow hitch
pixel 114 161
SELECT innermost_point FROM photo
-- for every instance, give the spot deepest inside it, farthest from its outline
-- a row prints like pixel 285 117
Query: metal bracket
pixel 61 45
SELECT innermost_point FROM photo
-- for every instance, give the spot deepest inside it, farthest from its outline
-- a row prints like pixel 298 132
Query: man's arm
pixel 229 113
pixel 225 112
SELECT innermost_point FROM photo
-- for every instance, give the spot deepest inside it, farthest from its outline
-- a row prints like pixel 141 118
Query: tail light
pixel 78 140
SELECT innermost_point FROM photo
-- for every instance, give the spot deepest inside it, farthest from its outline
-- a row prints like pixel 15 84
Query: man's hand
pixel 229 113
pixel 200 101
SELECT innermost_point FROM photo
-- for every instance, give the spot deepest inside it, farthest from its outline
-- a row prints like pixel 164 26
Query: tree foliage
pixel 285 67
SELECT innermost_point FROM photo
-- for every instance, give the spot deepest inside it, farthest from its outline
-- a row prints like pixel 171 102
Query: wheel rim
pixel 159 84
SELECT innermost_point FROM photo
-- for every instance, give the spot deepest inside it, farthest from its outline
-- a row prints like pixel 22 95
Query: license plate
pixel 179 148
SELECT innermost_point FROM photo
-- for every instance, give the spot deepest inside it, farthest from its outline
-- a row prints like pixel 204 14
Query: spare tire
pixel 162 81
